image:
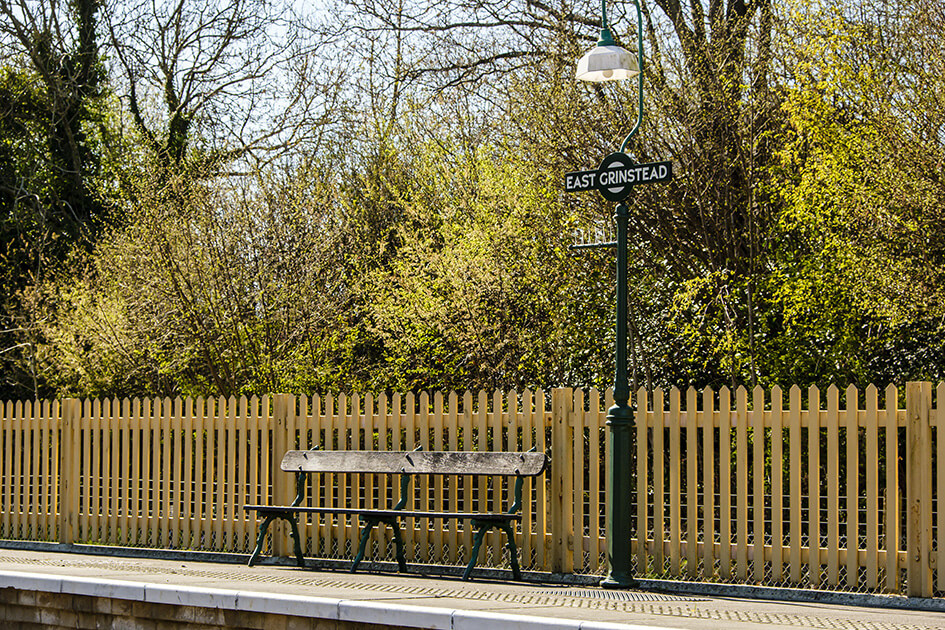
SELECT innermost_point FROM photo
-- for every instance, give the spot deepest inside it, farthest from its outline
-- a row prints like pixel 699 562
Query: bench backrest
pixel 416 462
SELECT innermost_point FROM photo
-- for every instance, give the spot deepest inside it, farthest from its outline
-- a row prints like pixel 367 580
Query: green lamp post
pixel 609 62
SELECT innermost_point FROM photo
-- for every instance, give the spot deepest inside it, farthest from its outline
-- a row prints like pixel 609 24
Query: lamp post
pixel 609 62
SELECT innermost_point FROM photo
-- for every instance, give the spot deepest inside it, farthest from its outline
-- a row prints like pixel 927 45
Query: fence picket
pixel 352 482
pixel 543 540
pixel 576 426
pixel 596 502
pixel 692 485
pixel 219 471
pixel 777 481
pixel 198 517
pixel 939 423
pixel 659 476
pixel 833 486
pixel 175 467
pixel 872 513
pixel 423 429
pixel 482 425
pixel 674 482
pixel 410 425
pixel 32 465
pixel 708 483
pixel 794 475
pixel 742 464
pixel 515 438
pixel 112 477
pixel 758 483
pixel 852 503
pixel 370 481
pixel 227 473
pixel 452 426
pixel 330 482
pixel 725 483
pixel 8 487
pixel 209 482
pixel 93 510
pixel 50 457
pixel 19 479
pixel 137 509
pixel 891 498
pixel 643 502
pixel 44 480
pixel 148 487
pixel 436 426
pixel 813 488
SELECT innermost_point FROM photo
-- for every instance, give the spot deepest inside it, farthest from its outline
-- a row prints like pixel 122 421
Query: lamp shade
pixel 607 63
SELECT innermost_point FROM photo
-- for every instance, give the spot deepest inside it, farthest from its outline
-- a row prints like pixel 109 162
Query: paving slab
pixel 391 596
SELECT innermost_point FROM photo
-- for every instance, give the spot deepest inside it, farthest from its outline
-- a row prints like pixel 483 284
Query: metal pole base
pixel 619 487
pixel 618 581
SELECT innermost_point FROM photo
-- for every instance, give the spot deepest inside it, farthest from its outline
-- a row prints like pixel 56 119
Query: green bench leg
pixel 370 523
pixel 399 545
pixel 260 539
pixel 297 543
pixel 477 543
pixel 513 550
pixel 481 530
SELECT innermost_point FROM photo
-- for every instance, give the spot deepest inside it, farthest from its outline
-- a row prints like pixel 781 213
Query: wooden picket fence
pixel 814 490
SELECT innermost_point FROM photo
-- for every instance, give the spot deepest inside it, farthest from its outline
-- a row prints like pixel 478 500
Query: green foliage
pixel 858 263
pixel 55 136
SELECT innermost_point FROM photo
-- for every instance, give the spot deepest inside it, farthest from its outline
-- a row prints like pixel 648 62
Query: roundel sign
pixel 612 180
pixel 617 175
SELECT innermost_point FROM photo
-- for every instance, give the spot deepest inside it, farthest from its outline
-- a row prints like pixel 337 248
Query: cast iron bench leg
pixel 261 538
pixel 399 545
pixel 369 524
pixel 296 540
pixel 513 550
pixel 297 544
pixel 481 530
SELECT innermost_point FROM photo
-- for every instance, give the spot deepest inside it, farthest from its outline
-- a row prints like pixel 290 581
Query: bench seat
pixel 286 509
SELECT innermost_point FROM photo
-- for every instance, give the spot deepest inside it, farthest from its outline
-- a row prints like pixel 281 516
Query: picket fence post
pixel 283 484
pixel 919 488
pixel 561 526
pixel 69 443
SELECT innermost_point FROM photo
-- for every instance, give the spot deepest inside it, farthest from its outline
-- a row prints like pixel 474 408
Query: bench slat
pixel 416 462
pixel 381 513
pixel 477 463
pixel 379 462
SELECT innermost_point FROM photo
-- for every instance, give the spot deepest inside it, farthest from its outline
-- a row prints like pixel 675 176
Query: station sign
pixel 617 175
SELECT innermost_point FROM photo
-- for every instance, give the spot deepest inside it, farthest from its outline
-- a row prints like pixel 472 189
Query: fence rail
pixel 835 489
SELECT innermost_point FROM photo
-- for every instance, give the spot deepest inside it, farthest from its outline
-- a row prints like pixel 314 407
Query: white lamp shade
pixel 607 63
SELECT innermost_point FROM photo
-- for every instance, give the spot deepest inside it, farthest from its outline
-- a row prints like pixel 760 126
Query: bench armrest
pixel 299 488
pixel 405 483
pixel 517 496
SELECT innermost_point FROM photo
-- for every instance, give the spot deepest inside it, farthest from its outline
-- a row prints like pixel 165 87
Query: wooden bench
pixel 406 464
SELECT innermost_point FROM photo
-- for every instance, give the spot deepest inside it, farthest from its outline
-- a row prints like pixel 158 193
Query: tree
pixel 861 245
pixel 53 124
pixel 212 83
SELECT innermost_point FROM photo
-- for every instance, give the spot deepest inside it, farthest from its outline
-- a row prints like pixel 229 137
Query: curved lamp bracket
pixel 636 127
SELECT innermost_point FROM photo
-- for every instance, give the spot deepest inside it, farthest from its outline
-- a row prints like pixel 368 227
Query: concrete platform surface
pixel 428 602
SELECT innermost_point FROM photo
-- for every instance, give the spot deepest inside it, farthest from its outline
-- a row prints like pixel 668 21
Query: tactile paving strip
pixel 621 601
pixel 624 596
